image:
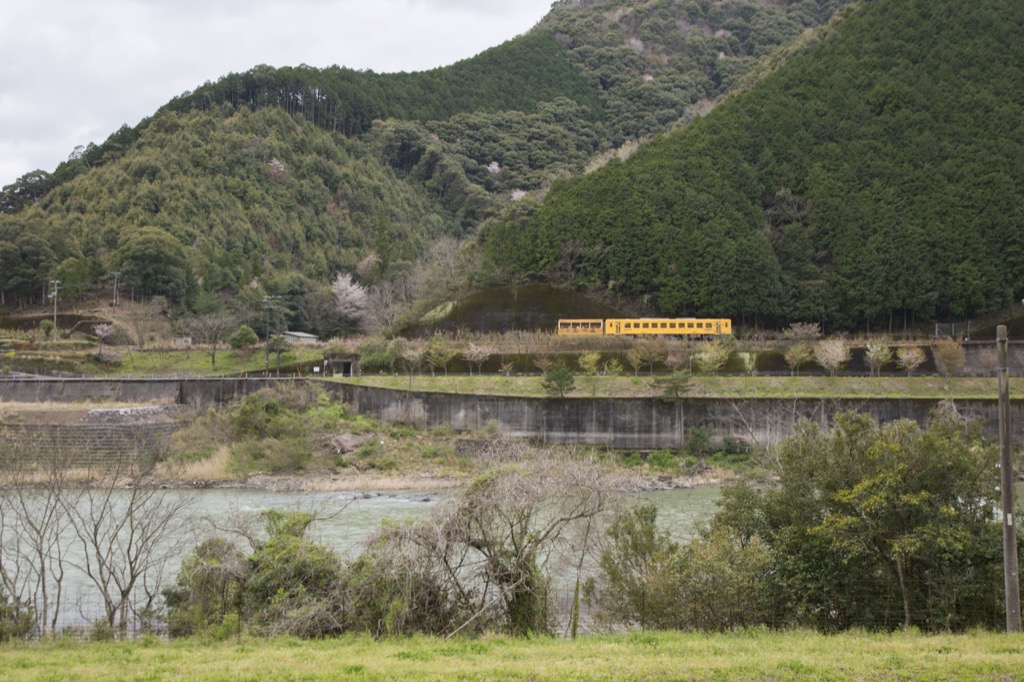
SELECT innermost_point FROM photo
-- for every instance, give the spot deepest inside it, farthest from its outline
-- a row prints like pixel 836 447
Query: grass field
pixel 754 655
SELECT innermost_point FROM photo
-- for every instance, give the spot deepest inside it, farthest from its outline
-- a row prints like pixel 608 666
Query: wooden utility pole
pixel 1007 482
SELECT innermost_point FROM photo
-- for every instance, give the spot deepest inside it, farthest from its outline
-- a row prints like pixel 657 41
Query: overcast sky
pixel 73 71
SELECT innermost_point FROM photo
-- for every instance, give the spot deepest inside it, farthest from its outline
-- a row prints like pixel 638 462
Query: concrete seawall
pixel 621 423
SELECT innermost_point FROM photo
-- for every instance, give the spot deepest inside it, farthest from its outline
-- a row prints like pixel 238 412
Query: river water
pixel 344 522
pixel 347 519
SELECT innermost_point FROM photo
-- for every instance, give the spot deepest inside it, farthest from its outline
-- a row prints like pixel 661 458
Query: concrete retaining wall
pixel 198 393
pixel 644 424
pixel 621 423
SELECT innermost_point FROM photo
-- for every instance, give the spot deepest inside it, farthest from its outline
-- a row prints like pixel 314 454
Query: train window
pixel 689 325
pixel 664 325
pixel 645 325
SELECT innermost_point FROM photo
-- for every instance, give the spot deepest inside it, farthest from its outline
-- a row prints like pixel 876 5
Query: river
pixel 345 520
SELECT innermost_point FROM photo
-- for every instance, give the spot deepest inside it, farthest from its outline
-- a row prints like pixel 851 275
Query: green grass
pixel 748 655
pixel 710 386
pixel 194 362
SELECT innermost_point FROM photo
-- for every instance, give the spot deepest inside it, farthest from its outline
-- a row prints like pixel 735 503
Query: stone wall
pixel 84 446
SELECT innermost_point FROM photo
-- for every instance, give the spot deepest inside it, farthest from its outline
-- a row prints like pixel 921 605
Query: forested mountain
pixel 874 180
pixel 274 180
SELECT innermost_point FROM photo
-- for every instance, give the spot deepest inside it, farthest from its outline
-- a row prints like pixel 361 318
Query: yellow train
pixel 646 326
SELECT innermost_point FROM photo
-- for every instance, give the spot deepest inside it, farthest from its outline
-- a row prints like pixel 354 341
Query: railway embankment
pixel 641 423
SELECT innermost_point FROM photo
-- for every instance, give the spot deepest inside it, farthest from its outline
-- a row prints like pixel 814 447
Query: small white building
pixel 300 338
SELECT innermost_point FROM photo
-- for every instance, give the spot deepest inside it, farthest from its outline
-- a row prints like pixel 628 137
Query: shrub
pixel 377 355
pixel 270 455
pixel 208 589
pixel 559 381
pixel 243 338
pixel 711 356
pixel 294 584
pixel 949 356
pixel 17 620
pixel 698 440
pixel 663 459
pixel 714 582
pixel 397 587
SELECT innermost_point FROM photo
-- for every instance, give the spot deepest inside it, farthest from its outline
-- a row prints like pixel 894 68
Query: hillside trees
pixel 247 195
pixel 25 191
pixel 655 59
pixel 153 262
pixel 25 264
pixel 853 157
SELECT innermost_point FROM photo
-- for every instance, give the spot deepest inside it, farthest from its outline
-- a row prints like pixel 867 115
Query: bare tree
pixel 543 363
pixel 387 301
pixel 832 354
pixel 476 355
pixel 411 359
pixel 675 360
pixel 877 356
pixel 144 318
pixel 33 524
pixel 797 355
pixel 127 531
pixel 523 520
pixel 802 331
pixel 58 518
pixel 909 358
pixel 210 329
pixel 103 332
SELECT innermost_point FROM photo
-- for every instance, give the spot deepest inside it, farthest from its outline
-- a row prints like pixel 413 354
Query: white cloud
pixel 73 71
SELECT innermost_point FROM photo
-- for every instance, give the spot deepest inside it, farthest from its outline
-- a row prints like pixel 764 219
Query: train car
pixel 646 326
pixel 667 326
pixel 580 327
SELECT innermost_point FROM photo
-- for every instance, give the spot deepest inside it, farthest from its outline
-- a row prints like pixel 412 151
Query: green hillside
pixel 514 76
pixel 872 181
pixel 272 181
pixel 251 203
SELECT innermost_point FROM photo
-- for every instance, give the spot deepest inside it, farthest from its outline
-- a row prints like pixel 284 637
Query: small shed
pixel 300 338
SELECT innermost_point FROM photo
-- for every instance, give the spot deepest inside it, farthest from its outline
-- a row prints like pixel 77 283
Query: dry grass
pixel 214 468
